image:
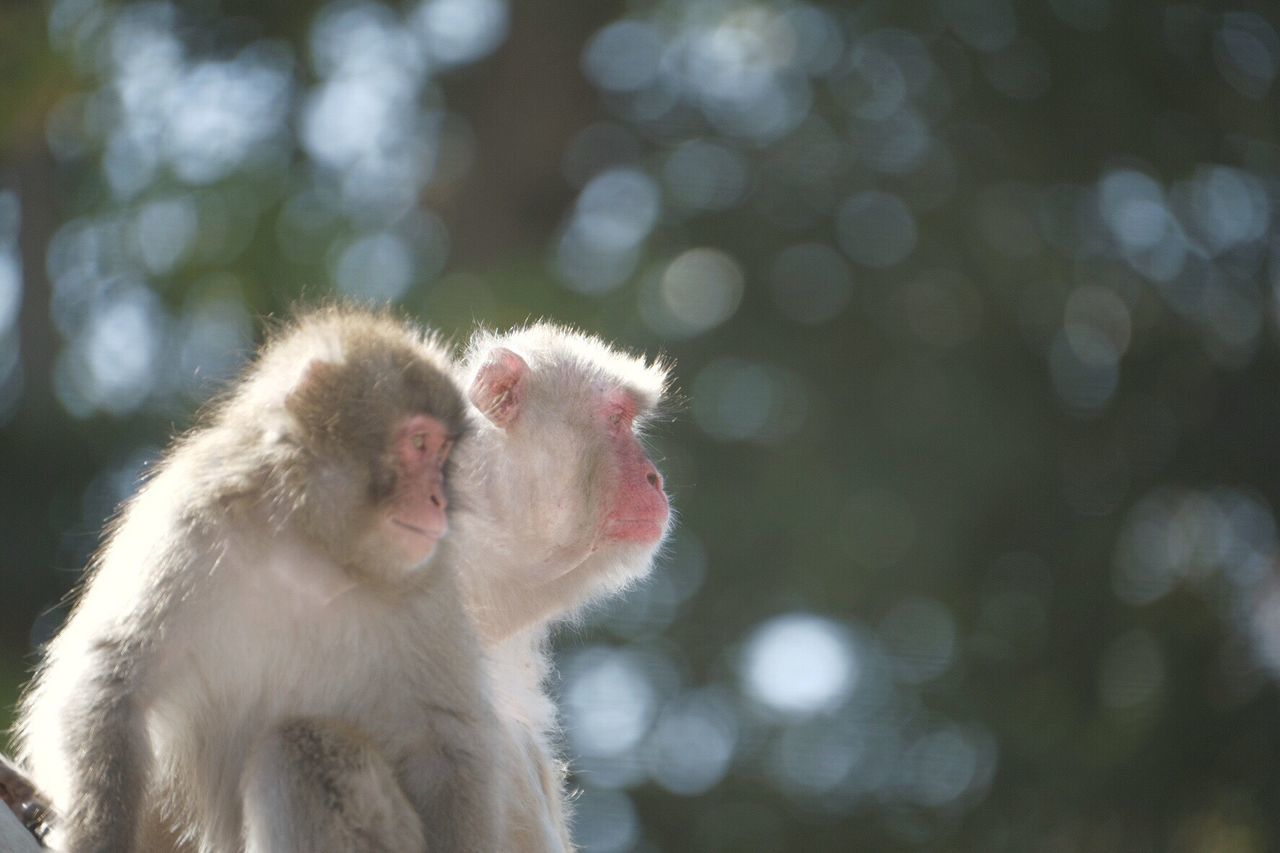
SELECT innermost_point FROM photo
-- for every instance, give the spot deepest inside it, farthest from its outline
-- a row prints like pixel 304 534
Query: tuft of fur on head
pixel 332 334
pixel 569 357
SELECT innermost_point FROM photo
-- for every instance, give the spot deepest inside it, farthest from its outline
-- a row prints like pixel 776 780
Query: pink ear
pixel 498 390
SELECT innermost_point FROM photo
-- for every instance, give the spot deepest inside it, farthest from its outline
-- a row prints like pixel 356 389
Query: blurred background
pixel 974 310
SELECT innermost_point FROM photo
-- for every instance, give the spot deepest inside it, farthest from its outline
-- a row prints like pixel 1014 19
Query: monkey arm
pixel 454 773
pixel 83 726
pixel 106 734
pixel 320 786
pixel 107 671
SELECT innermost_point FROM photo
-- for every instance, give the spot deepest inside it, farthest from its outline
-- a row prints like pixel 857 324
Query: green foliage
pixel 972 305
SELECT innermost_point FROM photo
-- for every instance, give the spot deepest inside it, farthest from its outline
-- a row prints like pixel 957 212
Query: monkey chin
pixel 623 554
pixel 418 545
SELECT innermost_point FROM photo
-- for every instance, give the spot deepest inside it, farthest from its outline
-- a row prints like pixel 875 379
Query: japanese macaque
pixel 270 653
pixel 566 508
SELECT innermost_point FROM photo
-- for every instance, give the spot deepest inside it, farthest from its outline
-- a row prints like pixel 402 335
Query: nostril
pixel 437 501
pixel 655 479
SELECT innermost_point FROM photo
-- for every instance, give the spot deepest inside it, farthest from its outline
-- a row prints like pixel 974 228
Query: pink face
pixel 638 508
pixel 416 514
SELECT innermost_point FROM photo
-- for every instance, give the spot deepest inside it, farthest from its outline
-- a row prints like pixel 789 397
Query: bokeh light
pixel 973 310
pixel 876 229
pixel 799 664
pixel 811 283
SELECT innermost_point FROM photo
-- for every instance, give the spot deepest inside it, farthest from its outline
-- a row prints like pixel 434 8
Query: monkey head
pixel 567 471
pixel 372 416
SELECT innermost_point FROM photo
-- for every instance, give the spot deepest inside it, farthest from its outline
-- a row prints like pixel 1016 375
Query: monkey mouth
pixel 421 531
pixel 641 529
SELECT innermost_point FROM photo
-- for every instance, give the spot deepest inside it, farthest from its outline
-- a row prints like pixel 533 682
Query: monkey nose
pixel 654 478
pixel 438 499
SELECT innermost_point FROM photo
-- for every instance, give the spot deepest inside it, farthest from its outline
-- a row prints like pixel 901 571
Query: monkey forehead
pixel 568 355
pixel 334 334
pixel 335 330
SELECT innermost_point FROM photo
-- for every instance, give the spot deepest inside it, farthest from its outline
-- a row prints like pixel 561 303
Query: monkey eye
pixel 420 441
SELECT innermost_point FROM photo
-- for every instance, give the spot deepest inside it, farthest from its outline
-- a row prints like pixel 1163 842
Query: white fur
pixel 530 546
pixel 261 627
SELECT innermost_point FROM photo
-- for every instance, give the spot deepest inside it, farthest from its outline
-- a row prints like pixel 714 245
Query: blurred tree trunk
pixel 34 446
pixel 36 441
pixel 35 177
pixel 35 78
pixel 531 91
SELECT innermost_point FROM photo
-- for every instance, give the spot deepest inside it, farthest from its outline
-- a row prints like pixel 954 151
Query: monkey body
pixel 536 817
pixel 249 664
pixel 267 615
pixel 568 510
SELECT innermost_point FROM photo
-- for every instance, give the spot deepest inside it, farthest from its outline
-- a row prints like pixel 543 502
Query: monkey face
pixel 373 417
pixel 636 509
pixel 415 518
pixel 574 476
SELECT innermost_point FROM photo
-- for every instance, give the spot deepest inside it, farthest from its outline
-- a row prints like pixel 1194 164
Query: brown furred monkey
pixel 568 508
pixel 270 653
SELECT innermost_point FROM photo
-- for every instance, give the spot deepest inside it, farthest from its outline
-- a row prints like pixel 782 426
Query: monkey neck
pixel 503 606
pixel 501 570
pixel 518 578
pixel 510 592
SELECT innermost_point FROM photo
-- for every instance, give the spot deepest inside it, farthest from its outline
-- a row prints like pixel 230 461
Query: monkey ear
pixel 499 387
pixel 308 399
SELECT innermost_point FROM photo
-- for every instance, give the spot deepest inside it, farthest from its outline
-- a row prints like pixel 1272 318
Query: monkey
pixel 568 508
pixel 557 436
pixel 270 652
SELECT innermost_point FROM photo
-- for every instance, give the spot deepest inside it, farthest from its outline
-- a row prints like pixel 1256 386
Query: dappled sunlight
pixel 112 366
pixel 798 665
pixel 698 290
pixel 10 305
pixel 735 400
pixel 972 312
pixel 694 741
